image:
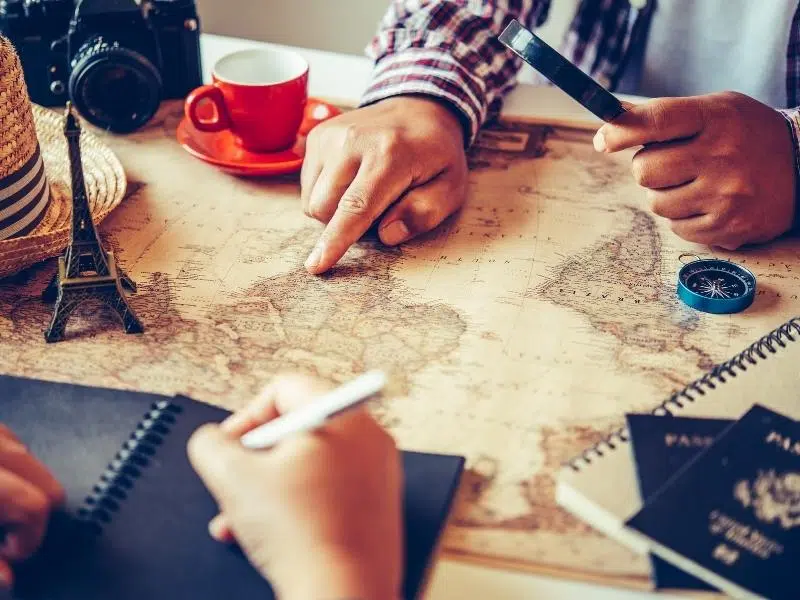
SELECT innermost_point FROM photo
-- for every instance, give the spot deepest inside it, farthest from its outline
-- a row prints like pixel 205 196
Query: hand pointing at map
pixel 399 163
pixel 720 167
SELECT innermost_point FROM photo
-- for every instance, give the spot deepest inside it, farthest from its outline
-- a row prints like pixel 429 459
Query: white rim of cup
pixel 229 56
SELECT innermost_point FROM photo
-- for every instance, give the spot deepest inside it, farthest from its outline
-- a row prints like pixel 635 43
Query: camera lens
pixel 114 87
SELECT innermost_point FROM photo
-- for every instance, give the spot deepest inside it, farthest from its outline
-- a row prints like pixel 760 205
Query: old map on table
pixel 518 333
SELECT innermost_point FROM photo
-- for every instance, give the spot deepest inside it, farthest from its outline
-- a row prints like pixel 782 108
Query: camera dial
pixel 114 87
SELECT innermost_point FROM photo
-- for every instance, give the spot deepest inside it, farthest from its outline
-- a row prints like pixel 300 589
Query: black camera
pixel 115 60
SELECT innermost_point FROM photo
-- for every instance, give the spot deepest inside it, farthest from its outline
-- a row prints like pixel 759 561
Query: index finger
pixel 659 120
pixel 372 190
pixel 283 394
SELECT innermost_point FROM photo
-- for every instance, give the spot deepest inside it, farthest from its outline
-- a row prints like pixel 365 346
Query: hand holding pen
pixel 319 513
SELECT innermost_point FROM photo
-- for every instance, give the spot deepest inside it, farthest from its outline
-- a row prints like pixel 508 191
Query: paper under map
pixel 518 333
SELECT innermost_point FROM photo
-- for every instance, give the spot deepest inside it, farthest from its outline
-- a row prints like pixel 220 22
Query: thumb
pixel 658 120
pixel 217 458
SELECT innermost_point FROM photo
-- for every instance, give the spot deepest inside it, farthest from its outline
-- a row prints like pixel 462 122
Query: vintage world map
pixel 517 333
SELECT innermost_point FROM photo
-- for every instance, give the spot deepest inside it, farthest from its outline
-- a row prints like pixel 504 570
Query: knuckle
pixel 390 141
pixel 685 233
pixel 722 151
pixel 640 167
pixel 313 136
pixel 715 222
pixel 196 443
pixel 727 105
pixel 729 144
pixel 316 210
pixel 658 115
pixel 735 191
pixel 425 215
pixel 322 135
pixel 725 206
pixel 351 134
pixel 677 228
pixel 354 202
pixel 716 219
pixel 656 203
pixel 737 226
pixel 307 207
pixel 731 245
pixel 732 99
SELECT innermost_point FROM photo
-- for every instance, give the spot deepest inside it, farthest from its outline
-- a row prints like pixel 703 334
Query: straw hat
pixel 35 183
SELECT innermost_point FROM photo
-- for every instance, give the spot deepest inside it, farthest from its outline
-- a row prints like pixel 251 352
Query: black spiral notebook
pixel 135 522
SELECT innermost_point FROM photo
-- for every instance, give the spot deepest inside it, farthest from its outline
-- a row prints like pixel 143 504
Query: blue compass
pixel 716 286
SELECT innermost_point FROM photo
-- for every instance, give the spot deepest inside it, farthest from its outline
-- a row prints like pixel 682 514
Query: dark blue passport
pixel 731 515
pixel 661 446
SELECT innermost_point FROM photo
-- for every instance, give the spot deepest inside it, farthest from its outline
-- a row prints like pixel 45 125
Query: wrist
pixel 338 575
pixel 435 75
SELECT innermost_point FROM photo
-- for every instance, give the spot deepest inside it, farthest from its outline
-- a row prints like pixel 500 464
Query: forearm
pixel 448 49
pixel 792 116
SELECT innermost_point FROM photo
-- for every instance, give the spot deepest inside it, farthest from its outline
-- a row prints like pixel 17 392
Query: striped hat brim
pixel 24 196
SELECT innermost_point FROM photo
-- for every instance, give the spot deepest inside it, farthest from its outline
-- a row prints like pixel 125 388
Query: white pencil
pixel 317 412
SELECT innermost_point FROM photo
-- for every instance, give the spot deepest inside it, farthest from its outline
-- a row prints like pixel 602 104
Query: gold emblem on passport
pixel 773 497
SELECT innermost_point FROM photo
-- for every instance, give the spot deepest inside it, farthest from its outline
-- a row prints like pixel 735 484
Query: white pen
pixel 317 412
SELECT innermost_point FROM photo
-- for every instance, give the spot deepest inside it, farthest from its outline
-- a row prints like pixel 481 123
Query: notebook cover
pixel 74 429
pixel 156 543
pixel 661 447
pixel 600 485
pixel 731 515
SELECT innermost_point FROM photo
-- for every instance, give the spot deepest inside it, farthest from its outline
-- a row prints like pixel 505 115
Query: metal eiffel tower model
pixel 86 271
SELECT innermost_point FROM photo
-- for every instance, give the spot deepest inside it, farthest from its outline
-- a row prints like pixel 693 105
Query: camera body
pixel 115 60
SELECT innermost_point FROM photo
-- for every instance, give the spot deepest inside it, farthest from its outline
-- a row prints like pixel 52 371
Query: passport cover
pixel 145 533
pixel 661 446
pixel 731 515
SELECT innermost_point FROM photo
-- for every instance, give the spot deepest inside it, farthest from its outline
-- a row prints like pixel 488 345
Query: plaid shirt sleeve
pixel 448 49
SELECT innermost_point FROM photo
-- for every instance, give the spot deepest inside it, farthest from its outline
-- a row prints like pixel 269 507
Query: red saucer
pixel 221 150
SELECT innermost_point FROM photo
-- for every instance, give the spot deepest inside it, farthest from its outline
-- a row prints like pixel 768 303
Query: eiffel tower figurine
pixel 86 271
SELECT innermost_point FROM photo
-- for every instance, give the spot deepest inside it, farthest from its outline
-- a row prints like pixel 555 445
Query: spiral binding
pixel 758 351
pixel 135 455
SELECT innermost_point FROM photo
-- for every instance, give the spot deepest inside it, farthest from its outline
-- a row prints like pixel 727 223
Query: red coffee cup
pixel 260 95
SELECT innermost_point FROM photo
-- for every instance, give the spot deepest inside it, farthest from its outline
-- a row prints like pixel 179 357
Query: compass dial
pixel 716 286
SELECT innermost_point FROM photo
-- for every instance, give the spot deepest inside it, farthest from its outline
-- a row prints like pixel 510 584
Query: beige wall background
pixel 335 25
